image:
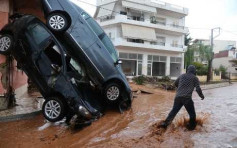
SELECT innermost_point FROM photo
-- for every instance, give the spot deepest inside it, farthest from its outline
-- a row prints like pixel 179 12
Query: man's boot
pixel 163 124
pixel 192 124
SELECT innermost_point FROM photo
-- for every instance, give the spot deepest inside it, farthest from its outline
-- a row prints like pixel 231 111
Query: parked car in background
pixel 86 41
pixel 39 54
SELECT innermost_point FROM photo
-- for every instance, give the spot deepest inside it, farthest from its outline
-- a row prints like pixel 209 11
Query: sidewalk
pixel 28 105
pixel 212 86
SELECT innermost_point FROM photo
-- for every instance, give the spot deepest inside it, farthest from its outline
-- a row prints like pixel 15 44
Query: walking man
pixel 185 86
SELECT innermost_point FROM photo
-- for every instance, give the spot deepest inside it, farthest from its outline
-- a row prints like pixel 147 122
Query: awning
pixel 138 7
pixel 137 32
pixel 106 10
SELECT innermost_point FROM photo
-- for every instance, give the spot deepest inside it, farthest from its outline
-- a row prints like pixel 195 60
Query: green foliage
pixel 139 80
pixel 205 51
pixel 165 79
pixel 188 40
pixel 188 56
pixel 201 69
pixel 223 71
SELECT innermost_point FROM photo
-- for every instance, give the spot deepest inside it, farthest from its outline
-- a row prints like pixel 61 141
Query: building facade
pixel 148 35
pixel 228 59
pixel 219 45
pixel 7 8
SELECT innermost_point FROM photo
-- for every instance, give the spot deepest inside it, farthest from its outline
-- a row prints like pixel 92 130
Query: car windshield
pixel 103 37
pixel 38 33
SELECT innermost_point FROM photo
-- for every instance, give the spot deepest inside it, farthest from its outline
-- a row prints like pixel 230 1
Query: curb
pixel 20 116
pixel 219 86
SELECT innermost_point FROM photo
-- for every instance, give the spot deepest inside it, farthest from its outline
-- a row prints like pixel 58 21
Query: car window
pixel 110 47
pixel 77 67
pixel 38 33
pixel 103 37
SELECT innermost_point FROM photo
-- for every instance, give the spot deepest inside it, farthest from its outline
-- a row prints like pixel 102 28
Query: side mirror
pixel 118 62
pixel 56 68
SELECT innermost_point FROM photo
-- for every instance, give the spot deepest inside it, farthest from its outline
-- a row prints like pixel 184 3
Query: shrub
pixel 201 69
pixel 165 79
pixel 139 80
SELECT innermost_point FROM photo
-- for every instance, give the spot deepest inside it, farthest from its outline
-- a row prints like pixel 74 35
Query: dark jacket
pixel 187 82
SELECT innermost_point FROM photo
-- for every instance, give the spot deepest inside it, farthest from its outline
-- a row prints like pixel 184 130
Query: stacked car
pixel 72 61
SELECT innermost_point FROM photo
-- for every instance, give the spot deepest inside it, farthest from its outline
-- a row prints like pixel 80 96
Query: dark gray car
pixel 39 54
pixel 86 41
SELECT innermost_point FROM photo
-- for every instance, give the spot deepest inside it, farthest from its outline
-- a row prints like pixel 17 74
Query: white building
pixel 228 59
pixel 218 45
pixel 148 35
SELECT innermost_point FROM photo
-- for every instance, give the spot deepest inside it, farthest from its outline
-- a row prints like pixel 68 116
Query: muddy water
pixel 137 127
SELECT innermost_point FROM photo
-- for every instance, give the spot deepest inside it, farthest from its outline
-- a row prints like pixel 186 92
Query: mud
pixel 216 117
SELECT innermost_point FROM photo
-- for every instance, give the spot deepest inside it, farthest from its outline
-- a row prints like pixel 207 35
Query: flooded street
pixel 137 127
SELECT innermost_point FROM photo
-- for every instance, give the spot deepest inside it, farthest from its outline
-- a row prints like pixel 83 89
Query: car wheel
pixel 57 22
pixel 53 109
pixel 112 92
pixel 6 44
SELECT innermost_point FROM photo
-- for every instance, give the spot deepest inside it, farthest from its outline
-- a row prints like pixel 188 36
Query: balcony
pixel 143 22
pixel 158 43
pixel 162 6
pixel 121 42
pixel 176 45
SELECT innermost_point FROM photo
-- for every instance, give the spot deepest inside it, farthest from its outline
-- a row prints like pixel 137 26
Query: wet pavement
pixel 26 104
pixel 217 116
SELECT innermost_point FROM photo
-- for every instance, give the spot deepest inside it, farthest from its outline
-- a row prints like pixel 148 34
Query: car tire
pixel 112 92
pixel 6 44
pixel 57 22
pixel 53 109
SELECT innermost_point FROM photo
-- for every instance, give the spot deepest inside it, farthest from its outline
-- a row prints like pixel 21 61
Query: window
pixel 102 36
pixel 175 66
pixel 38 33
pixel 77 67
pixel 132 63
pixel 156 65
pixel 135 40
pixel 123 12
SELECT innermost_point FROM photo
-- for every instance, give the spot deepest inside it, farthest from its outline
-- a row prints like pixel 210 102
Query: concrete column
pixel 182 64
pixel 144 64
pixel 167 67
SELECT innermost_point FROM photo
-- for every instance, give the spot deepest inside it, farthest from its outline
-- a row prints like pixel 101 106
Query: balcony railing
pixel 176 45
pixel 158 43
pixel 136 19
pixel 106 18
pixel 157 22
pixel 177 26
pixel 140 19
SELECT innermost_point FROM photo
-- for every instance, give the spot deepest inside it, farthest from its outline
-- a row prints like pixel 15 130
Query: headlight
pixel 84 112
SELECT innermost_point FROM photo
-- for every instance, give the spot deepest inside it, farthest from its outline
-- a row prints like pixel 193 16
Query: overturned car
pixel 40 55
pixel 87 43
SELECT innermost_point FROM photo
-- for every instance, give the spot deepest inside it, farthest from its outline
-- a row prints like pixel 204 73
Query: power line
pixel 231 32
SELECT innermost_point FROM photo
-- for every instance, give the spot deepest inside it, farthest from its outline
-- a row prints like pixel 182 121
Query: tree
pixel 205 51
pixel 188 56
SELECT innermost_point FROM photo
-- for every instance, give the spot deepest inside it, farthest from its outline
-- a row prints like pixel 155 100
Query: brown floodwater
pixel 217 125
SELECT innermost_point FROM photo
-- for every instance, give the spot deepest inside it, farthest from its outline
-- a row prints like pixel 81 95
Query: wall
pixel 214 77
pixel 22 6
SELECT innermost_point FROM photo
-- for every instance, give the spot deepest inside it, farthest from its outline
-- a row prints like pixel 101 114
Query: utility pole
pixel 209 75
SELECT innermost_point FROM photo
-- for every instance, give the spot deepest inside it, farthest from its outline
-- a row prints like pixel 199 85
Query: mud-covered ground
pixel 217 117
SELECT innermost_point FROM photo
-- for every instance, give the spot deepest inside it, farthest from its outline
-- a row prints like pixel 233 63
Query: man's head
pixel 191 69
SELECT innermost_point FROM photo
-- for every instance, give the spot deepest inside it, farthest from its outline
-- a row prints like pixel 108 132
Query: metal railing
pixel 176 45
pixel 158 43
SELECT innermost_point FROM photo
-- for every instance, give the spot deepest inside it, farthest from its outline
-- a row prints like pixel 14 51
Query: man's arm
pixel 176 83
pixel 198 88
